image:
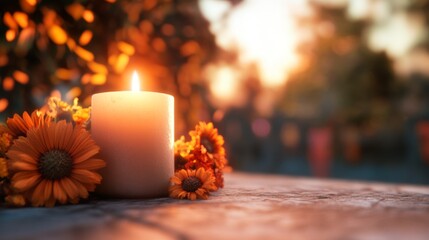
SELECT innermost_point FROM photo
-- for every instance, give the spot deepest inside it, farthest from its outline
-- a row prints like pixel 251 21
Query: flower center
pixel 191 184
pixel 55 164
pixel 207 144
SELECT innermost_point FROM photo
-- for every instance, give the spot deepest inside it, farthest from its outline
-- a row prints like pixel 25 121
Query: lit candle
pixel 135 132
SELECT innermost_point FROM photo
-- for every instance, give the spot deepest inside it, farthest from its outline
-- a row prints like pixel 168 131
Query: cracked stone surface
pixel 251 206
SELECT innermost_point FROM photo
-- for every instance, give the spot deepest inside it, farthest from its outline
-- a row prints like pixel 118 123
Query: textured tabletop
pixel 249 207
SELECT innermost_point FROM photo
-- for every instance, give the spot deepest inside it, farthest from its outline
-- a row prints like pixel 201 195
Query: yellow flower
pixel 3 168
pixel 54 163
pixel 181 147
pixel 19 126
pixel 55 105
pixel 81 115
pixel 192 184
pixel 78 114
pixel 181 152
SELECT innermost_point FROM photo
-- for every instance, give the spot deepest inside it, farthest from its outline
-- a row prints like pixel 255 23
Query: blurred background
pixel 324 88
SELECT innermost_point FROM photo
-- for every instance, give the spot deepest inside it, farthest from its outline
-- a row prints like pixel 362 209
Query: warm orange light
pixel 119 62
pixel 84 54
pixel 3 104
pixel 20 77
pixel 10 35
pixel 224 83
pixel 32 2
pixel 126 48
pixel 57 34
pixel 4 59
pixel 8 83
pixel 9 21
pixel 88 15
pixel 135 82
pixel 85 37
pixel 21 18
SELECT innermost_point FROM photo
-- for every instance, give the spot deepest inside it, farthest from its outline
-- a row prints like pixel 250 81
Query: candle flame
pixel 135 82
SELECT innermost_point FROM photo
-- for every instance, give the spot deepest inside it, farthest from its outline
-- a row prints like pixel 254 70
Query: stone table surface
pixel 251 206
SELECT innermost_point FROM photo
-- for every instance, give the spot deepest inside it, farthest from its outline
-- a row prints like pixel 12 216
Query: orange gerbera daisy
pixel 207 136
pixel 54 164
pixel 192 184
pixel 20 125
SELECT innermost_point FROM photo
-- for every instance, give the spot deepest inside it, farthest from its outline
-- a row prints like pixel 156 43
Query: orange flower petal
pixel 183 174
pixel 92 164
pixel 61 137
pixel 59 193
pixel 37 140
pixel 85 156
pixel 176 180
pixel 50 202
pixel 182 194
pixel 47 194
pixel 200 171
pixel 83 176
pixel 200 191
pixel 175 187
pixel 49 136
pixel 175 193
pixel 58 134
pixel 69 187
pixel 68 135
pixel 13 154
pixel 23 181
pixel 27 119
pixel 80 139
pixel 83 193
pixel 38 196
pixel 23 166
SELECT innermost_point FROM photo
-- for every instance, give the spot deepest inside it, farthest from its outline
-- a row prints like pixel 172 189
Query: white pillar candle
pixel 135 132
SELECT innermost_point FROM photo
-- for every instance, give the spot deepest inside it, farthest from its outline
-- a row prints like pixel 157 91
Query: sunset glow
pixel 268 38
pixel 224 83
pixel 264 35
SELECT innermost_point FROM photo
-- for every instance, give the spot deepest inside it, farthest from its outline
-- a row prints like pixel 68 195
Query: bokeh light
pixel 261 127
